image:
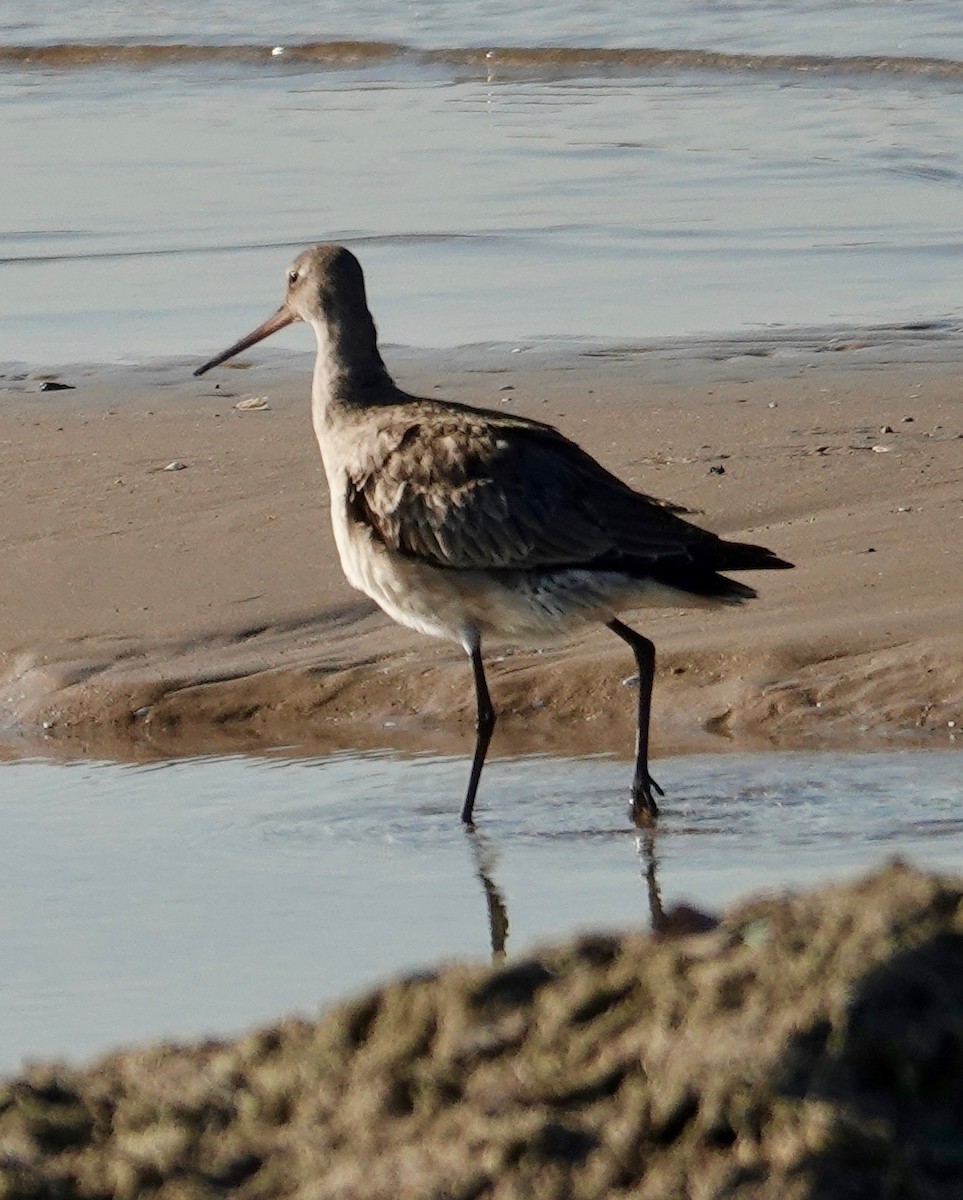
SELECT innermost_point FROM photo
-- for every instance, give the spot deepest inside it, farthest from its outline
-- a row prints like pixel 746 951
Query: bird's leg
pixel 483 729
pixel 644 807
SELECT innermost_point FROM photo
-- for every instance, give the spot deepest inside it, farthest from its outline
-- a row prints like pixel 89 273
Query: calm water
pixel 205 895
pixel 151 198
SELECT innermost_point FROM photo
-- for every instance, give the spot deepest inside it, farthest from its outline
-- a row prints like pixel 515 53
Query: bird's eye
pixel 293 277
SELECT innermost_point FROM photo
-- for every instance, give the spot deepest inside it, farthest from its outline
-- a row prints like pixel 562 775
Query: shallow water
pixel 204 895
pixel 150 204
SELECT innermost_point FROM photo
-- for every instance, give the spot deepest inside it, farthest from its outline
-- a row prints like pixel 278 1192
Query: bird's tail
pixel 705 583
pixel 744 556
pixel 703 578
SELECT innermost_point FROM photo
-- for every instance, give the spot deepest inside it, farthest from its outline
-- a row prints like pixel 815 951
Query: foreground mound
pixel 809 1046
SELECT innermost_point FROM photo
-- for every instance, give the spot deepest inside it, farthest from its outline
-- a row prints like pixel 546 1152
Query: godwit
pixel 465 523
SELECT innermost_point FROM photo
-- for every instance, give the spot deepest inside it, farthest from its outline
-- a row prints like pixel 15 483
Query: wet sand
pixel 155 612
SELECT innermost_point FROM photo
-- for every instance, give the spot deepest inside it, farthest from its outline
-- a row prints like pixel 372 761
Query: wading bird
pixel 466 524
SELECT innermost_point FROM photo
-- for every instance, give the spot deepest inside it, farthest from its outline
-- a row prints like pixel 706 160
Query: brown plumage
pixel 465 523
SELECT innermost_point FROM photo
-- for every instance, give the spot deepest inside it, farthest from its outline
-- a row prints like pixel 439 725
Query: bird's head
pixel 324 284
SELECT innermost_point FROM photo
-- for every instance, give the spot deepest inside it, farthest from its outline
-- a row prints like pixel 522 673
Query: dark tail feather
pixel 697 572
pixel 743 556
pixel 702 578
pixel 700 581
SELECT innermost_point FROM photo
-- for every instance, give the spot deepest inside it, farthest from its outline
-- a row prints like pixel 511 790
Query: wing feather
pixel 476 492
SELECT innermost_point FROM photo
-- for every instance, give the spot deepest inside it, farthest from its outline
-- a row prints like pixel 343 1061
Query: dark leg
pixel 483 731
pixel 644 807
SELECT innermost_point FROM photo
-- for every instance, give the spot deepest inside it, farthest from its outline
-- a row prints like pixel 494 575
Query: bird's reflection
pixel 645 844
pixel 679 919
pixel 485 859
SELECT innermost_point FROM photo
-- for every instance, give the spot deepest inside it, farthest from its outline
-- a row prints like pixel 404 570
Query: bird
pixel 469 524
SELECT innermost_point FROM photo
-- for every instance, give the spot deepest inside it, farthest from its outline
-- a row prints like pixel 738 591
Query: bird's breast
pixel 414 594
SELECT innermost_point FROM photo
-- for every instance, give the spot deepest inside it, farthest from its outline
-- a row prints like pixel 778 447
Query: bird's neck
pixel 349 372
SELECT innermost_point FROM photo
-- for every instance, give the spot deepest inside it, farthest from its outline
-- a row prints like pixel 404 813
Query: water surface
pixel 890 27
pixel 203 895
pixel 150 202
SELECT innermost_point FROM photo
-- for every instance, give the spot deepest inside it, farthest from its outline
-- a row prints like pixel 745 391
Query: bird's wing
pixel 496 492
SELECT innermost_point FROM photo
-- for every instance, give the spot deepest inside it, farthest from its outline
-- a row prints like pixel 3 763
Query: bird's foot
pixel 644 809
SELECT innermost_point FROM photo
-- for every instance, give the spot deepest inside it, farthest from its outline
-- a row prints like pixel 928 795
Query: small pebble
pixel 277 51
pixel 51 385
pixel 887 429
pixel 773 404
pixel 176 465
pixel 252 404
pixel 882 449
pixel 718 469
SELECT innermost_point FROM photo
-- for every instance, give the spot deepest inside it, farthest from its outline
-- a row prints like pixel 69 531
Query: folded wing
pixel 502 493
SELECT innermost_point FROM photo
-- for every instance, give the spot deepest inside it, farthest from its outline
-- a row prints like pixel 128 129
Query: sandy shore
pixel 146 611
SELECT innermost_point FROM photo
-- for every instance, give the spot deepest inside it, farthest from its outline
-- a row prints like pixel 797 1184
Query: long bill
pixel 276 321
